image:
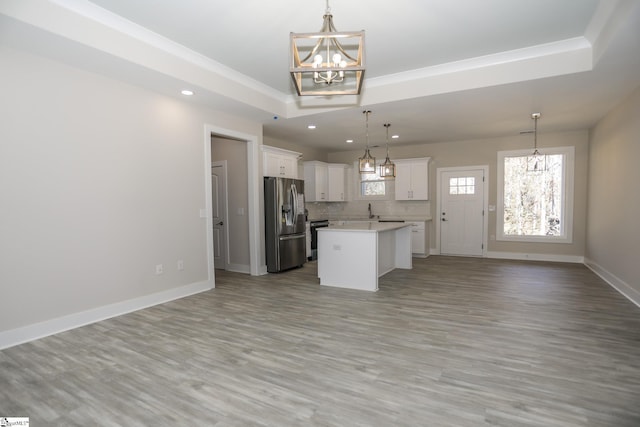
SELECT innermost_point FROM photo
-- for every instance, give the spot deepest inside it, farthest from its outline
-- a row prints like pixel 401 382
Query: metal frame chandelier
pixel 339 72
pixel 367 162
pixel 388 168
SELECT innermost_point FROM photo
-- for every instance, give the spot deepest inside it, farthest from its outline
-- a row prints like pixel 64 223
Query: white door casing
pixel 461 211
pixel 219 214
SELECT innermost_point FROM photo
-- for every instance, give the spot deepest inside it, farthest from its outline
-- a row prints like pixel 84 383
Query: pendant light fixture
pixel 339 72
pixel 388 168
pixel 536 162
pixel 367 162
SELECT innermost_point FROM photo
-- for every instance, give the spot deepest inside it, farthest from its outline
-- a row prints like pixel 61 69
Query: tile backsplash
pixel 357 209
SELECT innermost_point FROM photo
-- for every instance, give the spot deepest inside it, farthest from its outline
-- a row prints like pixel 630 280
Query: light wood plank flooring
pixel 453 342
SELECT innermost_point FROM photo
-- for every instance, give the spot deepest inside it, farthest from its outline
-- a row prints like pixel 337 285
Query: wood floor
pixel 453 342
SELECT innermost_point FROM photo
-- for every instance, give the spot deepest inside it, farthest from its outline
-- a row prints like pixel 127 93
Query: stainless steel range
pixel 313 228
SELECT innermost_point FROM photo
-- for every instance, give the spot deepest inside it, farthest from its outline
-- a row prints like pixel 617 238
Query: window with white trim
pixel 535 203
pixel 370 185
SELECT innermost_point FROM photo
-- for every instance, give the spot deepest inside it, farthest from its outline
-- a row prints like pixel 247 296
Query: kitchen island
pixel 355 255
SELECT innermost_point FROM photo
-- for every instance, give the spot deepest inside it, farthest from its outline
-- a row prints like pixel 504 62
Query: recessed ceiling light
pixel 187 92
pixel 395 136
pixel 349 141
pixel 311 126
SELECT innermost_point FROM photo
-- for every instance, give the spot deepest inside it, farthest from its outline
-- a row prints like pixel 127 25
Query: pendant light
pixel 388 168
pixel 367 162
pixel 536 162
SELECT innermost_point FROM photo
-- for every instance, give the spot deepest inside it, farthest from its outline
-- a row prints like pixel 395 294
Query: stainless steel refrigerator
pixel 284 222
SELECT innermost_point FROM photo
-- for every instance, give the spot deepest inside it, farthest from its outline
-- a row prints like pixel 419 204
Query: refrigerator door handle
pixel 292 237
pixel 294 194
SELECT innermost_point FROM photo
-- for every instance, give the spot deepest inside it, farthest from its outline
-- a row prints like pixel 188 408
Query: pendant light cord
pixel 387 125
pixel 367 112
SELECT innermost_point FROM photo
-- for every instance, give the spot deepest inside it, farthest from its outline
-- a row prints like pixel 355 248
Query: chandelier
pixel 339 72
pixel 367 163
pixel 388 168
pixel 536 162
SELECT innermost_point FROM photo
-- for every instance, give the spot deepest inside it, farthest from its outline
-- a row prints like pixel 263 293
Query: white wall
pixel 613 230
pixel 99 182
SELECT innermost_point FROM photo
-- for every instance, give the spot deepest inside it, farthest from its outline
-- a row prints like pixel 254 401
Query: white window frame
pixel 357 193
pixel 567 196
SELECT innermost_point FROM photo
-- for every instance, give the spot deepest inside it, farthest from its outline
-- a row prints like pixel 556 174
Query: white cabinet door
pixel 403 180
pixel 336 182
pixel 271 165
pixel 289 166
pixel 279 162
pixel 315 181
pixel 419 239
pixel 412 179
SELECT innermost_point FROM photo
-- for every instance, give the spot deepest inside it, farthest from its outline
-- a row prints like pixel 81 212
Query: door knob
pixel 220 223
pixel 444 219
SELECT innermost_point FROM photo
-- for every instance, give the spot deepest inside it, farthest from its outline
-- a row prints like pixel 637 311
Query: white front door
pixel 461 215
pixel 219 213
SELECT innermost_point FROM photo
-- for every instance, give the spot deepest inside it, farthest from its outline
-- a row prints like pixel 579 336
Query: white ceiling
pixel 437 70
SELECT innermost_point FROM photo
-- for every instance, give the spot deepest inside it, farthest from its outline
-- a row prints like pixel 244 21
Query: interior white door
pixel 219 214
pixel 462 212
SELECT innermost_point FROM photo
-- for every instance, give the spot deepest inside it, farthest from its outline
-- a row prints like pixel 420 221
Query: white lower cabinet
pixel 419 239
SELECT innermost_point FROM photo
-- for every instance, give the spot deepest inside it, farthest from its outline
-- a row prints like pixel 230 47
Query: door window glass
pixel 462 185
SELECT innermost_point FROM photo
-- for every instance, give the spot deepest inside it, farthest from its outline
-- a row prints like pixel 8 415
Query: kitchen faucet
pixel 370 213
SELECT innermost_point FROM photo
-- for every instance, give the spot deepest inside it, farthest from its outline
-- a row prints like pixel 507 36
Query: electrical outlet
pixel 159 269
pixel 180 265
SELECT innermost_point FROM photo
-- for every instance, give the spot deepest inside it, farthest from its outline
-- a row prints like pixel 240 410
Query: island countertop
pixel 369 227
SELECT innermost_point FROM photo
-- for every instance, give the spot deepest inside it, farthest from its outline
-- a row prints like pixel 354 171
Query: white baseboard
pixel 39 330
pixel 239 268
pixel 525 256
pixel 615 282
pixel 536 257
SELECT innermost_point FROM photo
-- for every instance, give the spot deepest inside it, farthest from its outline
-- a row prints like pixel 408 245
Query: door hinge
pixel 482 178
pixel 482 246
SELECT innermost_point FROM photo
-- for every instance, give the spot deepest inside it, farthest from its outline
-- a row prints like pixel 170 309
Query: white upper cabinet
pixel 316 181
pixel 324 182
pixel 279 162
pixel 412 179
pixel 336 182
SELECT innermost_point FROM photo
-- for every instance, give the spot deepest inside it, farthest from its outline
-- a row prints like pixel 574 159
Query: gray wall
pixel 99 182
pixel 613 230
pixel 485 152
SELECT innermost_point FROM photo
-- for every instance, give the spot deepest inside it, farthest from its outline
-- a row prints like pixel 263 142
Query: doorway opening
pixel 244 229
